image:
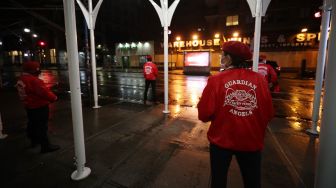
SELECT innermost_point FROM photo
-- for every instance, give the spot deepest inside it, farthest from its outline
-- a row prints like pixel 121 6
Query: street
pixel 133 145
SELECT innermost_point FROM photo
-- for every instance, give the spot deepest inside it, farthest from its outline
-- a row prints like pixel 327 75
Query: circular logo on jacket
pixel 243 102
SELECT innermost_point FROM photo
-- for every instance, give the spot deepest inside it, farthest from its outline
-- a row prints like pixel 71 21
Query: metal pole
pixel 93 59
pixel 326 167
pixel 76 103
pixel 165 45
pixel 87 60
pixel 165 14
pixel 257 31
pixel 320 68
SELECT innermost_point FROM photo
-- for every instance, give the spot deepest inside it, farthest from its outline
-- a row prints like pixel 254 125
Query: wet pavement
pixel 133 145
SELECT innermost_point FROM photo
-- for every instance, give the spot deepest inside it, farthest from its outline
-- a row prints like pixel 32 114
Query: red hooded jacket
pixel 33 92
pixel 239 105
pixel 268 72
pixel 150 71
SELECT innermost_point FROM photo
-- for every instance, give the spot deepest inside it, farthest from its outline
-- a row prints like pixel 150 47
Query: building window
pixel 232 20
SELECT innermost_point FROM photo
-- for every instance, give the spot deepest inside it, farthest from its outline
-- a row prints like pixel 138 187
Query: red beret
pixel 238 49
pixel 262 57
pixel 31 67
pixel 149 58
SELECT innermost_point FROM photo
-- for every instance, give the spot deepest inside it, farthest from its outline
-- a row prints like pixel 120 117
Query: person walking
pixel 238 103
pixel 150 73
pixel 2 135
pixel 268 72
pixel 36 98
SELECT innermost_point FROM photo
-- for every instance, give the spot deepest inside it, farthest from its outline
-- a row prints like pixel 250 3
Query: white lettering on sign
pixel 264 39
pixel 195 43
pixel 281 39
pixel 188 43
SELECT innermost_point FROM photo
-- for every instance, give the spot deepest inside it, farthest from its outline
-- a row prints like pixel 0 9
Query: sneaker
pixel 50 148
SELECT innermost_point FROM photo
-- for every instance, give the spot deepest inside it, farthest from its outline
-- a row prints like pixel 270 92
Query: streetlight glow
pixel 195 37
pixel 42 43
pixel 26 30
pixel 317 14
pixel 235 34
pixel 217 35
pixel 35 35
pixel 303 30
pixel 178 38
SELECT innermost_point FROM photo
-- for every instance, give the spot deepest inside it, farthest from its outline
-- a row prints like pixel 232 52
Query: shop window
pixel 232 20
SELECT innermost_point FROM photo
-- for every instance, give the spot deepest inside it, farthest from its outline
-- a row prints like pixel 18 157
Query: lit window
pixel 232 20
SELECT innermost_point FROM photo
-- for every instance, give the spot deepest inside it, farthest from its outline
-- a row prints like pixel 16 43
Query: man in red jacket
pixel 150 72
pixel 36 98
pixel 268 72
pixel 238 103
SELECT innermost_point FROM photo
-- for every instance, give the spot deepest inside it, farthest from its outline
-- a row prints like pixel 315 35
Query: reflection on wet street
pixel 183 133
pixel 293 102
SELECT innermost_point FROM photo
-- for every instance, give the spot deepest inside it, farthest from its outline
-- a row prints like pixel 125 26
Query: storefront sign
pixel 307 37
pixel 300 40
pixel 195 43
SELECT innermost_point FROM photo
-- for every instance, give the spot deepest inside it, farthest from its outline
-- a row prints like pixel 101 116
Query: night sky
pixel 118 20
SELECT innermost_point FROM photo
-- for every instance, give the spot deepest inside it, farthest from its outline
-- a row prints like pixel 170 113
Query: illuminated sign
pixel 196 59
pixel 195 43
pixel 307 37
pixel 205 43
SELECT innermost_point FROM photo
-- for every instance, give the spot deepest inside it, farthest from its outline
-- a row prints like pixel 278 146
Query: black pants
pixel 37 127
pixel 249 164
pixel 153 84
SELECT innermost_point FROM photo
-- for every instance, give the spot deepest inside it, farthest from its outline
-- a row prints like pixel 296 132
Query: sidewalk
pixel 132 145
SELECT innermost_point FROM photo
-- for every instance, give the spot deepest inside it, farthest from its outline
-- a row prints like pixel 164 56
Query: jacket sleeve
pixel 274 77
pixel 155 71
pixel 43 92
pixel 206 105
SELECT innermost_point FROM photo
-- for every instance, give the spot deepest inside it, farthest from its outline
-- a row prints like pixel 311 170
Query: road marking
pixel 290 167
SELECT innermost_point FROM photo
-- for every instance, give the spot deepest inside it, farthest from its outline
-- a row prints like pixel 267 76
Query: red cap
pixel 149 58
pixel 31 67
pixel 238 49
pixel 262 57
